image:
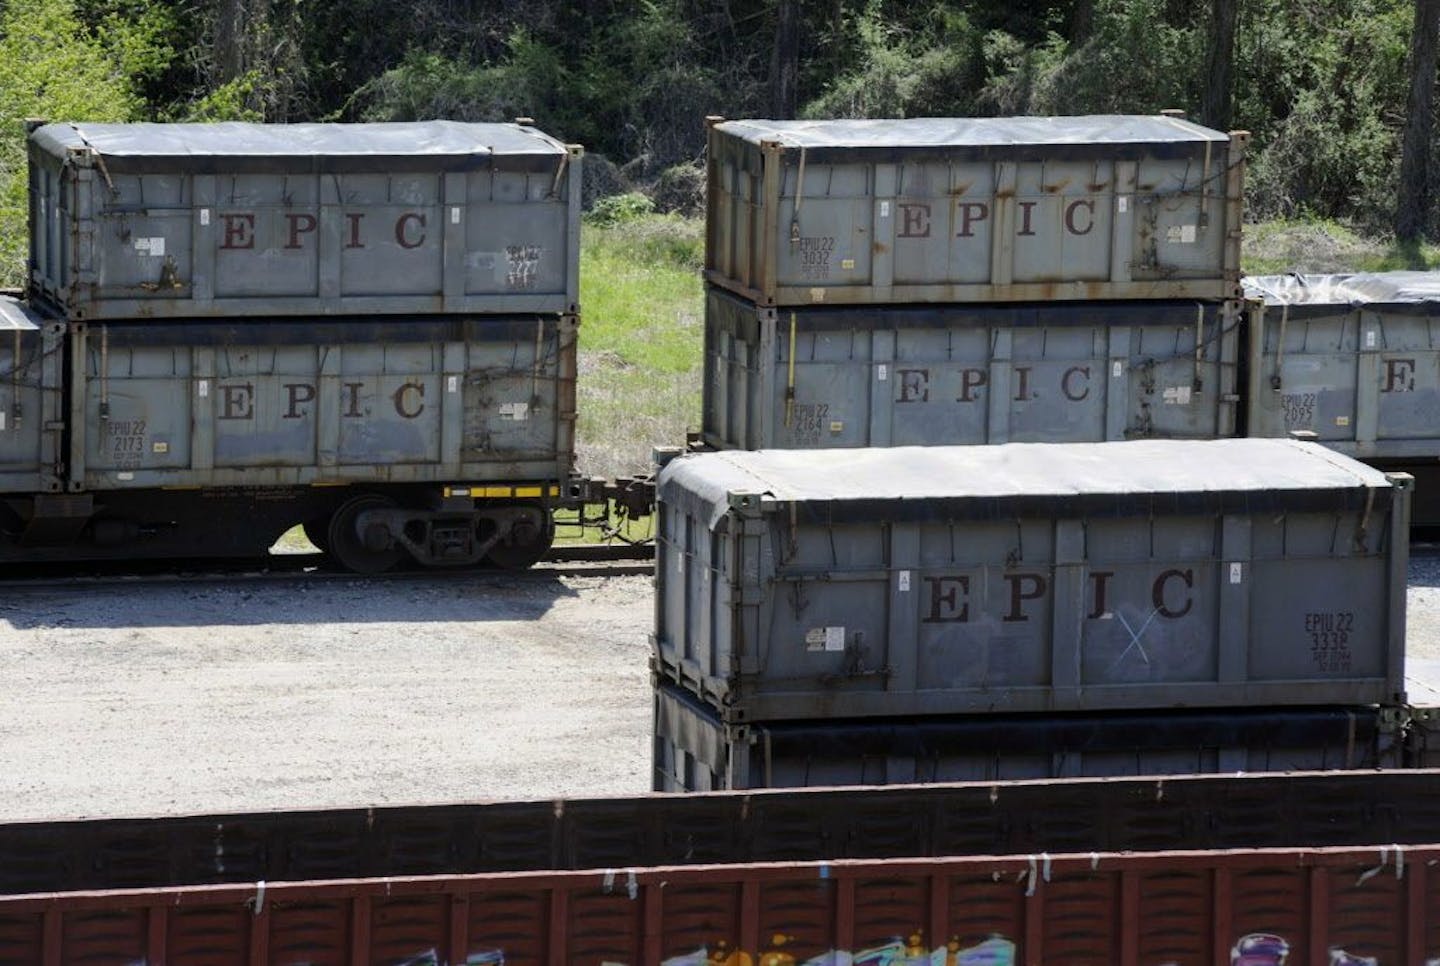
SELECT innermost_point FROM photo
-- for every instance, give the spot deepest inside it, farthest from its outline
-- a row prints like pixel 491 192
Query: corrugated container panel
pixel 32 353
pixel 974 209
pixel 1352 361
pixel 1226 810
pixel 298 403
pixel 1030 577
pixel 695 750
pixel 1345 907
pixel 181 221
pixel 924 375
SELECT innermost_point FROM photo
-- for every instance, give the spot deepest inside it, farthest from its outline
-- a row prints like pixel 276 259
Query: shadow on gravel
pixel 403 599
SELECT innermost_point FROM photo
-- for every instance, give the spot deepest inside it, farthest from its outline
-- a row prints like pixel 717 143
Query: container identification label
pixel 904 581
pixel 1330 639
pixel 825 639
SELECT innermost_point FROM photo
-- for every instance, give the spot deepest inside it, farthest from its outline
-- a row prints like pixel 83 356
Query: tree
pixel 1217 97
pixel 785 64
pixel 1413 198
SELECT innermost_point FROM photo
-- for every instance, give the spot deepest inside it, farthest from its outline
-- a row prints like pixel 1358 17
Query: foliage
pixel 619 209
pixel 639 382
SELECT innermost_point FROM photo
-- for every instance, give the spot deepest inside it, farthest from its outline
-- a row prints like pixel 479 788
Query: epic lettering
pixel 948 597
pixel 916 219
pixel 238 230
pixel 913 385
pixel 236 400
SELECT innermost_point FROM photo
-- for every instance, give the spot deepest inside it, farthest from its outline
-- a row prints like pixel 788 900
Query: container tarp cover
pixel 15 314
pixel 440 145
pixel 1375 289
pixel 1104 134
pixel 986 482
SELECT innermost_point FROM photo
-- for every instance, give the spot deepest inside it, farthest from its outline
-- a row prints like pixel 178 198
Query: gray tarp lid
pixel 1103 135
pixel 1119 478
pixel 1374 288
pixel 439 145
pixel 16 315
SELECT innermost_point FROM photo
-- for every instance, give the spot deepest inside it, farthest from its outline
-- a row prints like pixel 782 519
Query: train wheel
pixel 317 531
pixel 371 551
pixel 525 545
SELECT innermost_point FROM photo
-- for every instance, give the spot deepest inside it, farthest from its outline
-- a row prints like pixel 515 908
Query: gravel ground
pixel 175 698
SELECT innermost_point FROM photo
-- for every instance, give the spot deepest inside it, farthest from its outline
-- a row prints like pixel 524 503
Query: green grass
pixel 1320 246
pixel 641 338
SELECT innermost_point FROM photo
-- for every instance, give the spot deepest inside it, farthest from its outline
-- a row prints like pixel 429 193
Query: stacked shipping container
pixel 1052 280
pixel 367 329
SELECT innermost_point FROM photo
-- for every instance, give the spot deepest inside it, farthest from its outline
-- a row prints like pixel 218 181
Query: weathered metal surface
pixel 299 403
pixel 32 351
pixel 1030 577
pixel 974 210
pixel 696 750
pixel 923 375
pixel 1345 907
pixel 182 221
pixel 1351 361
pixel 983 818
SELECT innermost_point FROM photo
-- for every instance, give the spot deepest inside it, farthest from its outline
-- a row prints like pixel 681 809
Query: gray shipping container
pixel 315 403
pixel 243 220
pixel 990 373
pixel 1030 577
pixel 696 751
pixel 32 353
pixel 1352 361
pixel 974 209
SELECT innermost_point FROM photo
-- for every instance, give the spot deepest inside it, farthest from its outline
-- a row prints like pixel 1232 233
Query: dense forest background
pixel 1325 86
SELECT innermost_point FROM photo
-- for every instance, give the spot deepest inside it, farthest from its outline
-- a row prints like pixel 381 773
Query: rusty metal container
pixel 32 353
pixel 301 403
pixel 1254 907
pixel 243 221
pixel 974 209
pixel 1030 577
pixel 696 750
pixel 911 375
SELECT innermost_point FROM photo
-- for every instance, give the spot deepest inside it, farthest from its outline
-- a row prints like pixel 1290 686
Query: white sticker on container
pixel 817 295
pixel 1236 572
pixel 160 446
pixel 1180 234
pixel 882 372
pixel 1177 395
pixel 150 246
pixel 452 383
pixel 518 411
pixel 1369 338
pixel 1342 420
pixel 679 563
pixel 2 420
pixel 847 264
pixel 455 214
pixel 204 216
pixel 1122 203
pixel 834 638
pixel 1117 369
pixel 884 209
pixel 125 476
pixel 836 426
pixel 204 388
pixel 903 583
